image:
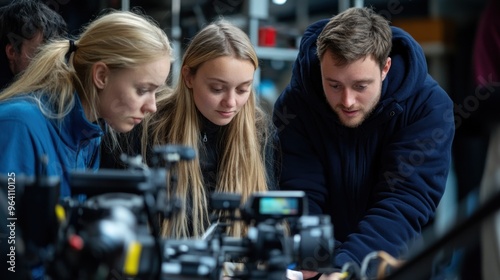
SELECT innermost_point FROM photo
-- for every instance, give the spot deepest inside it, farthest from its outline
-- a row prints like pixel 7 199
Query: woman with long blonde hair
pixel 52 118
pixel 213 108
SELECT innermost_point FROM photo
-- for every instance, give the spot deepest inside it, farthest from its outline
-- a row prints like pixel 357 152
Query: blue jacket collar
pixel 76 129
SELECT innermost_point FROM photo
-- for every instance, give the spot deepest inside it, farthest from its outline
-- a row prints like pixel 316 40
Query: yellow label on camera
pixel 132 259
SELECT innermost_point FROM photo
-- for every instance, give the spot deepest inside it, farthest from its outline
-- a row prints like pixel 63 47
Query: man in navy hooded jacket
pixel 365 132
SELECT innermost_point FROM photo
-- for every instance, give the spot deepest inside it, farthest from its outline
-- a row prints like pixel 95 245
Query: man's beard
pixel 365 115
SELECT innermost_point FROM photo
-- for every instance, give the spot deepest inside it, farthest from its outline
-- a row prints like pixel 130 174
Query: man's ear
pixel 10 51
pixel 100 72
pixel 386 68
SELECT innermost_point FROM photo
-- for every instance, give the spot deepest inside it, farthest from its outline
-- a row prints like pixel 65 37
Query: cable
pixel 350 270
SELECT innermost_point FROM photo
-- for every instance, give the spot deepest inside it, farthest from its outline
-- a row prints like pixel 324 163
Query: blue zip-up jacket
pixel 379 182
pixel 27 136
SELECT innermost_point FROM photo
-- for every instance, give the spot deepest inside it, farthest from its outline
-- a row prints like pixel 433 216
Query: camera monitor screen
pixel 277 204
pixel 287 206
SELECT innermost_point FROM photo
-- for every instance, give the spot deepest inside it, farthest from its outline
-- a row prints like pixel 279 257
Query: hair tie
pixel 72 48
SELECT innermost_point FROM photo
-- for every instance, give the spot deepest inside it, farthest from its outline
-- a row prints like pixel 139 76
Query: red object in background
pixel 267 37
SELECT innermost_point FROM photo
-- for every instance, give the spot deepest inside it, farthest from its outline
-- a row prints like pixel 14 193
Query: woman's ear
pixel 100 74
pixel 186 76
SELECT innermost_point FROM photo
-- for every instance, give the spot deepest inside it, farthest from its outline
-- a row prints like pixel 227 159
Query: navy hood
pixel 407 73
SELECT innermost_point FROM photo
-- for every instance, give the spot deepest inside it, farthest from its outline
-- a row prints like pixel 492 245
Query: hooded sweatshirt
pixel 381 181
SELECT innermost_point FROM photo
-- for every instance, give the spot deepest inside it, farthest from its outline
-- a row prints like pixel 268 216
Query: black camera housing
pixel 118 225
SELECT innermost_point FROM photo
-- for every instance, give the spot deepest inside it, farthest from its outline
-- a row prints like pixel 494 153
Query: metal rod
pixel 125 5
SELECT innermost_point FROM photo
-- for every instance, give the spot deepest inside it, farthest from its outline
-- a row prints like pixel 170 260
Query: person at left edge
pixel 52 117
pixel 24 26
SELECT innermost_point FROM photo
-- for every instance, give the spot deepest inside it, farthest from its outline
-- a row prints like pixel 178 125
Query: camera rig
pixel 109 228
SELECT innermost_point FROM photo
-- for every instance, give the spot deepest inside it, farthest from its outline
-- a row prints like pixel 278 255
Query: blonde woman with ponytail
pixel 52 118
pixel 213 108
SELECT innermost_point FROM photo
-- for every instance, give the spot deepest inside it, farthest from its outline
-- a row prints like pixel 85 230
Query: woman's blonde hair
pixel 177 121
pixel 119 39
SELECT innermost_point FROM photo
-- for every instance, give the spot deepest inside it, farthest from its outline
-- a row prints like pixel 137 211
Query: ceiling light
pixel 279 2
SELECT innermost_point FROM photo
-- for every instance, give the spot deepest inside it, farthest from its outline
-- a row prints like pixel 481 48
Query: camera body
pixel 115 231
pixel 119 241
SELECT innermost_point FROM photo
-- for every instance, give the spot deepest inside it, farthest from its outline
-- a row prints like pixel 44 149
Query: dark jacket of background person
pixel 379 182
pixel 486 62
pixel 487 47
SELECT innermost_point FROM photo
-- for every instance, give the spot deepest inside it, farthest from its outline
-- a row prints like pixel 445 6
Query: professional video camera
pixel 114 232
pixel 271 245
